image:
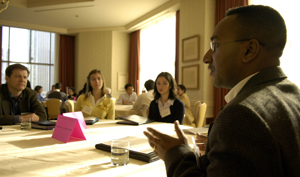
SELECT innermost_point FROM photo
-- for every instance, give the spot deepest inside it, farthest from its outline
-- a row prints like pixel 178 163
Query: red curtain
pixel 177 47
pixel 221 7
pixel 134 60
pixel 66 61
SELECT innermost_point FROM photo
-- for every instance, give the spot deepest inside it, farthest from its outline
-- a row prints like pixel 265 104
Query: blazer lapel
pixel 6 107
pixel 266 75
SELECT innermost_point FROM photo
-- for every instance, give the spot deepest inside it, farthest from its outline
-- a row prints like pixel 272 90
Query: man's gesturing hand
pixel 162 142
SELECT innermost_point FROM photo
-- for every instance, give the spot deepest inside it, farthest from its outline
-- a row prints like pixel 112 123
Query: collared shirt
pixel 14 103
pixel 40 98
pixel 126 97
pixel 14 107
pixel 237 88
pixel 92 99
pixel 143 100
pixel 162 107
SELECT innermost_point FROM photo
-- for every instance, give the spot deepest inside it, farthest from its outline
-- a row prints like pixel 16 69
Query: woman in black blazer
pixel 165 107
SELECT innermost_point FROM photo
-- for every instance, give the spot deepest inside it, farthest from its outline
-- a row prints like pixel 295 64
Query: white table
pixel 34 153
pixel 124 110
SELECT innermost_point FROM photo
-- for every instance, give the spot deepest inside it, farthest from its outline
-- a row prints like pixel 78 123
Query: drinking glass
pixel 120 152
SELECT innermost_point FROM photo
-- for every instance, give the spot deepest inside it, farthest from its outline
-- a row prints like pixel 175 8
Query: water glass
pixel 25 123
pixel 120 152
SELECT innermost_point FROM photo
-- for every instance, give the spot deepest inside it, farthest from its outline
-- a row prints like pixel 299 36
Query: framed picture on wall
pixel 190 49
pixel 122 80
pixel 190 77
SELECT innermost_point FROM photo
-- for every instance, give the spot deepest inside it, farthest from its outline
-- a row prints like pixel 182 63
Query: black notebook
pixel 90 120
pixel 133 120
pixel 139 148
pixel 44 125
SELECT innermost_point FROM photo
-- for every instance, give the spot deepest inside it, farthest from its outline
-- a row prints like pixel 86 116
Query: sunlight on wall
pixel 159 36
pixel 290 58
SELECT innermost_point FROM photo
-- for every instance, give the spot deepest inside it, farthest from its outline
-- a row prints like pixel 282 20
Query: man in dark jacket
pixel 257 132
pixel 16 98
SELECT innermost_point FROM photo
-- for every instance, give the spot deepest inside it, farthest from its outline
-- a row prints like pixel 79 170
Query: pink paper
pixel 78 115
pixel 66 128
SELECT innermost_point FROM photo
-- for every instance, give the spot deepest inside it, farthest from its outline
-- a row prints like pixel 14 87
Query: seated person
pixel 257 131
pixel 165 107
pixel 52 90
pixel 95 102
pixel 82 91
pixel 143 102
pixel 188 116
pixel 39 90
pixel 128 97
pixel 72 94
pixel 59 95
pixel 16 98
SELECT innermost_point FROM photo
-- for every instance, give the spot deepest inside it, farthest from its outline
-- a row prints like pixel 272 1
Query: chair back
pixel 201 115
pixel 53 107
pixel 196 105
pixel 70 107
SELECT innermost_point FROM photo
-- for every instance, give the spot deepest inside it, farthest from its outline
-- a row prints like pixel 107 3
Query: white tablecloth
pixel 34 153
pixel 124 110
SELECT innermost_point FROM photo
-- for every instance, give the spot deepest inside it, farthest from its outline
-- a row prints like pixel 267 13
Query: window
pixel 160 37
pixel 33 49
pixel 289 59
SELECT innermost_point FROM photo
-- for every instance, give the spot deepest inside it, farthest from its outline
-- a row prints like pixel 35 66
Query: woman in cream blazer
pixel 188 117
pixel 95 102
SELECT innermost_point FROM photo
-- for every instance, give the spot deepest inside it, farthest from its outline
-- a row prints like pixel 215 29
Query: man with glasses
pixel 128 97
pixel 258 132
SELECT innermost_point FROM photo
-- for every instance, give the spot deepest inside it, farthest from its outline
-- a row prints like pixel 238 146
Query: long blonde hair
pixel 89 87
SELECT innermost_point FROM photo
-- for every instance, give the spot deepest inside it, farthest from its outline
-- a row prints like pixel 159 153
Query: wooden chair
pixel 196 105
pixel 201 115
pixel 70 107
pixel 53 106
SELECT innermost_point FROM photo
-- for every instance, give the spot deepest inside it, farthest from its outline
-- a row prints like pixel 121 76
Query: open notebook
pixel 133 120
pixel 139 148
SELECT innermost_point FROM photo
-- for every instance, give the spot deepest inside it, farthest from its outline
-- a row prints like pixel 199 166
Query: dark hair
pixel 83 90
pixel 10 69
pixel 73 89
pixel 149 84
pixel 172 82
pixel 58 85
pixel 37 88
pixel 182 88
pixel 89 87
pixel 262 23
pixel 128 85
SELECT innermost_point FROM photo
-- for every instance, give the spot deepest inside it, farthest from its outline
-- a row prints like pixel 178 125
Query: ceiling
pixel 76 15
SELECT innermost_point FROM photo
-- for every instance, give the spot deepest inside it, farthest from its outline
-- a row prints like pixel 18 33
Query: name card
pixel 78 115
pixel 67 128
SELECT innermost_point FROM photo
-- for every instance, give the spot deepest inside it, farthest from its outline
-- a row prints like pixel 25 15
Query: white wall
pixel 197 17
pixel 93 50
pixel 120 57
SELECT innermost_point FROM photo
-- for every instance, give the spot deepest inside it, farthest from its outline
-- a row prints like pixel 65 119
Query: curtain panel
pixel 221 7
pixel 177 46
pixel 134 60
pixel 66 61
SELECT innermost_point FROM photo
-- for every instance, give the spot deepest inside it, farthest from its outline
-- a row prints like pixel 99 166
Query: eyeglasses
pixel 213 45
